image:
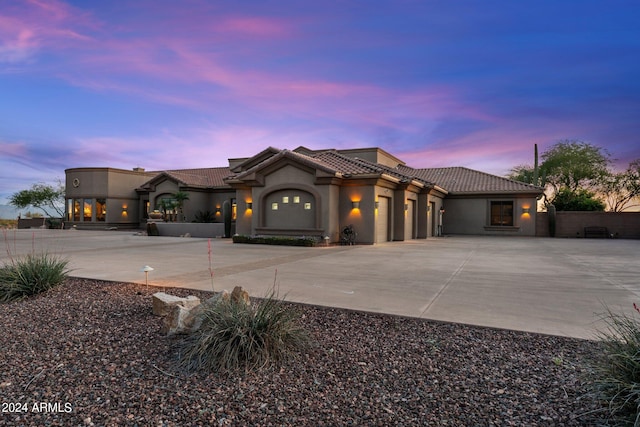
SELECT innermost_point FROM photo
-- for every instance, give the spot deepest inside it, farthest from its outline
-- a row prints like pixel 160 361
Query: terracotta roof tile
pixel 461 180
pixel 202 177
pixel 455 180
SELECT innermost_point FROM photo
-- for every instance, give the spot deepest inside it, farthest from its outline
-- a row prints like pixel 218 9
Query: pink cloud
pixel 27 28
pixel 15 149
pixel 254 26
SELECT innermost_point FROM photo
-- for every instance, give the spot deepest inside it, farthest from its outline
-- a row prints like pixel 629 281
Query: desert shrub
pixel 617 372
pixel 205 216
pixel 236 335
pixel 31 275
pixel 277 240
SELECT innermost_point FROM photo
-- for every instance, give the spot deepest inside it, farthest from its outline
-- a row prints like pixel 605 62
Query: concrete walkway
pixel 552 286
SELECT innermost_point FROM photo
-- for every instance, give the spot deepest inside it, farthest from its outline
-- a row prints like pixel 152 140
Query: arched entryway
pixel 290 208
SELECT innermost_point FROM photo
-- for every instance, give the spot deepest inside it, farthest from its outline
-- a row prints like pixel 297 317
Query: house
pixel 304 192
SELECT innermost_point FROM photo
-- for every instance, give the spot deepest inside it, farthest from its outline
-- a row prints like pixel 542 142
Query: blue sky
pixel 165 85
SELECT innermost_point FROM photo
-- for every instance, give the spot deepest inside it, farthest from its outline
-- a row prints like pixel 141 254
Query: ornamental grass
pixel 31 275
pixel 238 336
pixel 617 371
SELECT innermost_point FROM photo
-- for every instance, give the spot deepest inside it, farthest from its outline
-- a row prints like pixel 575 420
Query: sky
pixel 165 84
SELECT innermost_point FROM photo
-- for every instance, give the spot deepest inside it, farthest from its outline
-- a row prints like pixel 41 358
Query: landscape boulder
pixel 240 295
pixel 163 303
pixel 184 315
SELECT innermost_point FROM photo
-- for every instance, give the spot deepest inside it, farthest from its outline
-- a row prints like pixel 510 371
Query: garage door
pixel 382 220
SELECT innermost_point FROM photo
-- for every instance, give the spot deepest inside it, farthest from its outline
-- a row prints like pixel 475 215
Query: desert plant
pixel 31 275
pixel 227 216
pixel 237 335
pixel 617 371
pixel 205 216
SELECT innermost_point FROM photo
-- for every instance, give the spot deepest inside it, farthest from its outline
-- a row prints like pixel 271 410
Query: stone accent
pixel 176 321
pixel 184 315
pixel 240 295
pixel 163 303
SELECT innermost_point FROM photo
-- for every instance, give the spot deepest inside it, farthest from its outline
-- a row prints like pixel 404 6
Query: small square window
pixel 296 199
pixel 274 206
pixel 285 199
pixel 307 206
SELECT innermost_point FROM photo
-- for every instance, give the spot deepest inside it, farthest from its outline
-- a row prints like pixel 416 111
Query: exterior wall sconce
pixel 406 206
pixel 441 210
pixel 377 204
pixel 217 211
pixel 355 205
pixel 525 211
pixel 249 205
pixel 124 209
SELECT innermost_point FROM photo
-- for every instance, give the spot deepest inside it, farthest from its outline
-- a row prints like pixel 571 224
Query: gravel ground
pixel 91 353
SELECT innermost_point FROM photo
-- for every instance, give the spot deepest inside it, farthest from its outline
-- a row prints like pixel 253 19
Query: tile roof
pixel 455 180
pixel 461 180
pixel 202 177
pixel 333 162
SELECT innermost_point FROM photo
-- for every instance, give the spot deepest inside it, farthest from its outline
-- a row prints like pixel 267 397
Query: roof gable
pixel 254 160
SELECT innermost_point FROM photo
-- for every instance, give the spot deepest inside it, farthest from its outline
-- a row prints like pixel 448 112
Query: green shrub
pixel 277 240
pixel 617 371
pixel 31 275
pixel 235 335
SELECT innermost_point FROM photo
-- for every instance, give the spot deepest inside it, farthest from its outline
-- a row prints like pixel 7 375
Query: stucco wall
pixel 194 229
pixel 623 225
pixel 162 190
pixel 245 216
pixel 363 217
pixel 265 220
pixel 471 216
pixel 117 186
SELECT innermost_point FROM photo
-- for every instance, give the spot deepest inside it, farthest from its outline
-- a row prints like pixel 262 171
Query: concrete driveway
pixel 552 286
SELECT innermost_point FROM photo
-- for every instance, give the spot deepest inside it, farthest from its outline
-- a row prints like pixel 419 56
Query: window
pixel 88 205
pixel 234 210
pixel 502 213
pixel 69 209
pixel 101 209
pixel 76 210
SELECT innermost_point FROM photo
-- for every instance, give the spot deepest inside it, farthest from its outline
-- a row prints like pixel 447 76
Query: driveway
pixel 551 286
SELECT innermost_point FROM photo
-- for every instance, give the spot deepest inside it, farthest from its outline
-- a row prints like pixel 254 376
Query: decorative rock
pixel 163 303
pixel 187 318
pixel 240 295
pixel 224 296
pixel 178 321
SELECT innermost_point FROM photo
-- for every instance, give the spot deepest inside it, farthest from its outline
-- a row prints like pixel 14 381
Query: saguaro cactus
pixel 226 215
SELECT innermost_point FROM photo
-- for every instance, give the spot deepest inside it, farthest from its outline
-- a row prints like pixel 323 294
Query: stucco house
pixel 304 192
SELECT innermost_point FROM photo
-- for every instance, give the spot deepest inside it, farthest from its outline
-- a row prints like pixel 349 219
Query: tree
pixel 622 190
pixel 528 174
pixel 167 206
pixel 578 200
pixel 573 165
pixel 41 196
pixel 180 198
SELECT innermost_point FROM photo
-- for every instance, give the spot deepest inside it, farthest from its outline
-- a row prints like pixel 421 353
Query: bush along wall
pixel 277 240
